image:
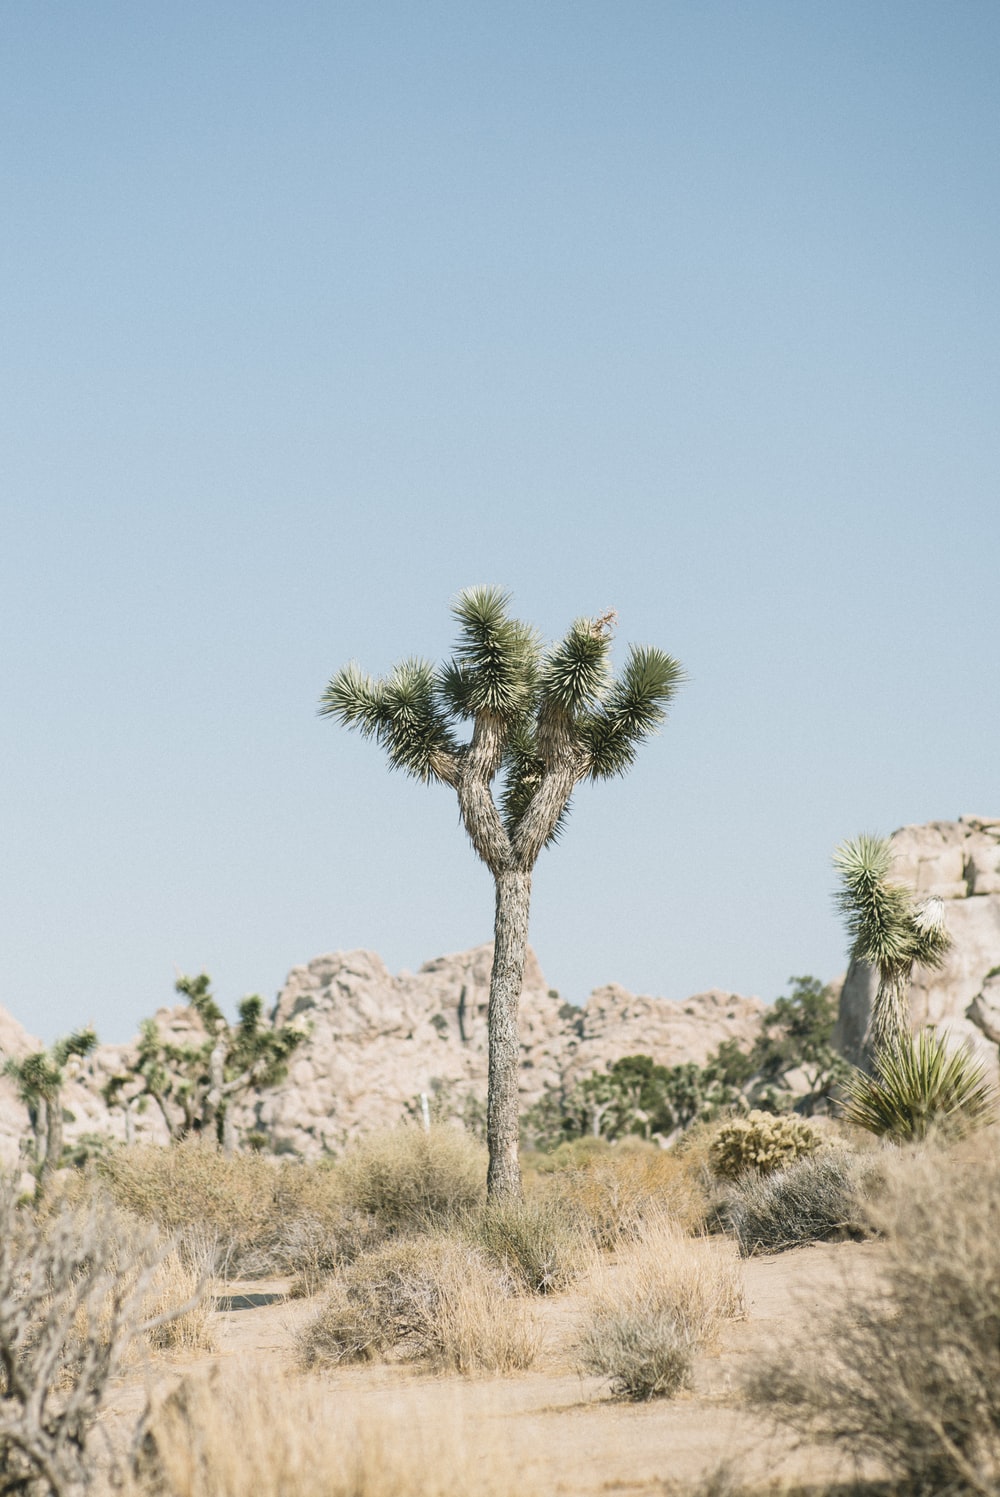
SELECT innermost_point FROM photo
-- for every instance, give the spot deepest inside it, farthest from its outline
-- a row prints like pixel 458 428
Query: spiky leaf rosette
pixel 495 670
pixel 920 1087
pixel 888 930
pixel 576 671
pixel 634 707
pixel 401 713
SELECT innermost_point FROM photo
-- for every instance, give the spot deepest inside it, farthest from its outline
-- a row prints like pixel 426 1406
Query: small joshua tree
pixel 543 721
pixel 39 1077
pixel 200 1080
pixel 889 930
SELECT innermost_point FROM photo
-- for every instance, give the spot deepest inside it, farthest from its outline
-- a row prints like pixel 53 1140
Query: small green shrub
pixel 539 1242
pixel 432 1298
pixel 761 1141
pixel 920 1087
pixel 410 1180
pixel 811 1200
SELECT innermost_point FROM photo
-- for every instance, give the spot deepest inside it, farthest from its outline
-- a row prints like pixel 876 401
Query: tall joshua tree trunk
pixel 510 948
pixel 543 721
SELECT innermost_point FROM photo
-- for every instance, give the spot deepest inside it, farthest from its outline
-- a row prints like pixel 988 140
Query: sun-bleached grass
pixel 811 1200
pixel 81 1285
pixel 615 1192
pixel 541 1241
pixel 435 1298
pixel 256 1215
pixel 650 1311
pixel 245 1430
pixel 410 1179
pixel 909 1375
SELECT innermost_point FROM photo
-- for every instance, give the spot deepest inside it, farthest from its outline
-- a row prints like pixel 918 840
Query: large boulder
pixel 957 862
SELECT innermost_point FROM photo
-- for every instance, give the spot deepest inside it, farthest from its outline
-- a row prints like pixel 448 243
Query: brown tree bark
pixel 510 946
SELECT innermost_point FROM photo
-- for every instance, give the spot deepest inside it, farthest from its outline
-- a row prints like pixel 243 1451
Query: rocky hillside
pixel 957 862
pixel 377 1041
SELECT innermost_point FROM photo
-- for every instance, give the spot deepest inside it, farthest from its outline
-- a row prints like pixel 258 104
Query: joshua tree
pixel 203 1078
pixel 890 931
pixel 39 1077
pixel 544 721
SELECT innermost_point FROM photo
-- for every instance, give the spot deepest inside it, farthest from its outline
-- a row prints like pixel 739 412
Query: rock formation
pixel 957 862
pixel 377 1041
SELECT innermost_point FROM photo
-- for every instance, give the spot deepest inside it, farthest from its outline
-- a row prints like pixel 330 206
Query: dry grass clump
pixel 258 1216
pixel 615 1192
pixel 410 1180
pixel 435 1299
pixel 540 1242
pixel 811 1200
pixel 910 1375
pixel 79 1286
pixel 243 1430
pixel 649 1313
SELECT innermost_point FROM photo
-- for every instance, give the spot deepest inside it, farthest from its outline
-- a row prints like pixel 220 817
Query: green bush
pixel 920 1087
pixel 808 1201
pixel 761 1141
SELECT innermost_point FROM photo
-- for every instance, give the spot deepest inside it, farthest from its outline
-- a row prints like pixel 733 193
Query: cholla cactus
pixel 761 1141
pixel 890 931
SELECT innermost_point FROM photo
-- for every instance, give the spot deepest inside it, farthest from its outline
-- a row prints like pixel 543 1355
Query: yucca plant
pixel 890 930
pixel 919 1086
pixel 542 721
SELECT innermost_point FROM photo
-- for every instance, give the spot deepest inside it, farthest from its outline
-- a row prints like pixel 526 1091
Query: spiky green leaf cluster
pixel 495 669
pixel 888 930
pixel 563 705
pixel 81 1042
pixel 920 1087
pixel 576 671
pixel 402 713
pixel 634 707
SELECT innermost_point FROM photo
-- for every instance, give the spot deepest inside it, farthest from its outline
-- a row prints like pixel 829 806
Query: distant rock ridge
pixel 957 862
pixel 377 1041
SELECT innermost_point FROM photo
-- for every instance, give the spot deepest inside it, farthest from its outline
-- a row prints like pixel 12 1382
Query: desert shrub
pixel 78 1287
pixel 243 1429
pixel 615 1191
pixel 538 1241
pixel 811 1200
pixel 909 1374
pixel 431 1298
pixel 407 1178
pixel 649 1313
pixel 761 1141
pixel 256 1215
pixel 919 1087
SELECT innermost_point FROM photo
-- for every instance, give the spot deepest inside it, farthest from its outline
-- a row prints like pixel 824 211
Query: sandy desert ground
pixel 555 1431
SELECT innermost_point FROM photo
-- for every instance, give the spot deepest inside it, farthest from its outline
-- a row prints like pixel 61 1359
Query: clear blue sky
pixel 314 314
